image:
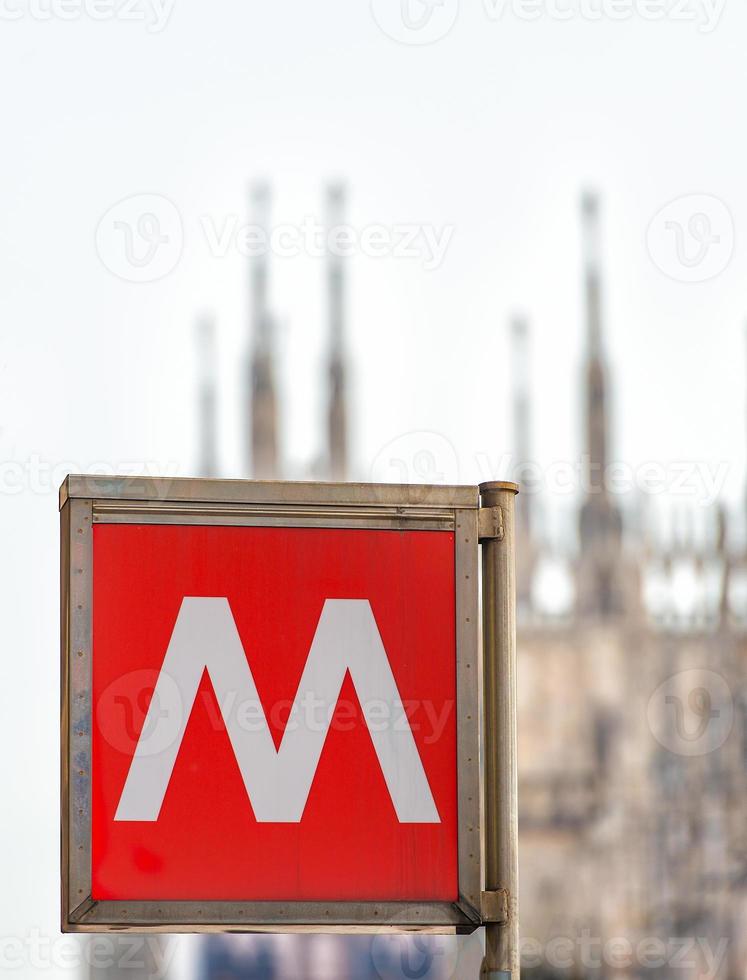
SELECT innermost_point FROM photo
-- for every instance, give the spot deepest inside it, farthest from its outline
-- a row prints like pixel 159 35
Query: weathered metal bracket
pixel 490 523
pixel 494 906
pixel 499 900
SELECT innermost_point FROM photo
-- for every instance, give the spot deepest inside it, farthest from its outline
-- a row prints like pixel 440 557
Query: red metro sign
pixel 269 705
pixel 288 749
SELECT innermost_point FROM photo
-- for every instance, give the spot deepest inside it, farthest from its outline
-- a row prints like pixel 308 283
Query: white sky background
pixel 493 129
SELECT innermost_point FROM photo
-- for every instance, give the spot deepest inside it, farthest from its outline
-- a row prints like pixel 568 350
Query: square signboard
pixel 269 706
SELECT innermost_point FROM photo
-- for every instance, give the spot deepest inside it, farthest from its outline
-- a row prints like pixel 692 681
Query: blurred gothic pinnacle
pixel 263 451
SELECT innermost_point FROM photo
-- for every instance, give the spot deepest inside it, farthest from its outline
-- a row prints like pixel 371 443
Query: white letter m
pixel 277 782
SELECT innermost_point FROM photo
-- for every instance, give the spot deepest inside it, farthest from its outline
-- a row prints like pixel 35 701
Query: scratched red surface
pixel 206 843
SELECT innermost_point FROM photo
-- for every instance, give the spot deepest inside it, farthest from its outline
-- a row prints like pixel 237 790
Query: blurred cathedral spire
pixel 207 398
pixel 263 447
pixel 601 587
pixel 596 369
pixel 522 457
pixel 337 433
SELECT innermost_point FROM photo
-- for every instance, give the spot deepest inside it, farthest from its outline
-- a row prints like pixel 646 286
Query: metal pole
pixel 499 698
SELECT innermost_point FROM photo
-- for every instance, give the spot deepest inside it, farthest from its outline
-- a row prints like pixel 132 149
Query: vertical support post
pixel 499 699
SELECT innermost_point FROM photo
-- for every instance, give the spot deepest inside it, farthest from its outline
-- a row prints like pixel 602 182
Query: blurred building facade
pixel 626 839
pixel 632 733
pixel 631 819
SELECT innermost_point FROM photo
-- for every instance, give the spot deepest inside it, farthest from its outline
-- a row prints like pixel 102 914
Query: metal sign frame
pixel 88 500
